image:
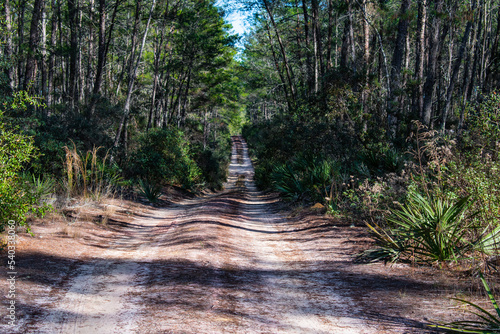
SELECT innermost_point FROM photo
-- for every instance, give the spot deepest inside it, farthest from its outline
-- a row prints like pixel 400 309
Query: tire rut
pixel 219 263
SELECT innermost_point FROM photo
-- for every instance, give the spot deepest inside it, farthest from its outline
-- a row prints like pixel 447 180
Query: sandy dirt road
pixel 219 263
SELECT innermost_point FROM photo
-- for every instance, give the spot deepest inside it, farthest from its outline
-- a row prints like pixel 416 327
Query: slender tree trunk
pixel 103 48
pixel 432 66
pixel 418 95
pixel 51 63
pixel 278 69
pixel 344 49
pixel 366 65
pixel 348 49
pixel 394 103
pixel 351 35
pixel 185 98
pixel 309 67
pixel 288 70
pixel 318 49
pixel 8 45
pixel 73 53
pixel 329 63
pixel 300 48
pixel 156 72
pixel 31 61
pixel 43 62
pixel 471 92
pixel 20 43
pixel 454 74
pixel 90 52
pixel 132 77
pixel 80 78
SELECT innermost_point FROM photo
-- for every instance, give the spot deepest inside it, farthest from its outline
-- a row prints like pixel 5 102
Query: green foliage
pixel 380 158
pixel 42 187
pixel 213 167
pixel 483 127
pixel 64 128
pixel 163 156
pixel 487 322
pixel 88 175
pixel 304 179
pixel 17 198
pixel 425 229
pixel 151 191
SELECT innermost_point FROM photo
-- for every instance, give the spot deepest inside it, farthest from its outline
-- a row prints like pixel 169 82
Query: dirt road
pixel 220 263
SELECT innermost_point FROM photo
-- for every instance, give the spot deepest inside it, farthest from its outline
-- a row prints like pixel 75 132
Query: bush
pixel 305 179
pixel 213 168
pixel 163 156
pixel 88 175
pixel 17 198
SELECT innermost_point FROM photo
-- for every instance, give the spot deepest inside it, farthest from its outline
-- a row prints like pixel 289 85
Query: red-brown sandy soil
pixel 228 262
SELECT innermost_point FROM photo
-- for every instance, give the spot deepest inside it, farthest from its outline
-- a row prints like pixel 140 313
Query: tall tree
pixel 396 94
pixel 31 61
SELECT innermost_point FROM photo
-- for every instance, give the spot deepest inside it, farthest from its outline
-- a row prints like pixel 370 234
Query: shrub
pixel 424 230
pixel 151 191
pixel 88 175
pixel 306 178
pixel 213 168
pixel 163 156
pixel 16 197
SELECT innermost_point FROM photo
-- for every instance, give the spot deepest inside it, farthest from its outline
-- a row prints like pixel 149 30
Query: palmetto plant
pixel 41 188
pixel 149 190
pixel 487 322
pixel 427 229
pixel 304 178
pixel 434 226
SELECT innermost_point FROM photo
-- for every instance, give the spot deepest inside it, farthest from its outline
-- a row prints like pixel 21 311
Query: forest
pixel 381 112
pixel 385 112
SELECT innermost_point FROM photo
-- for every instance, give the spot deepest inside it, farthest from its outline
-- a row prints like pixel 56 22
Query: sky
pixel 236 17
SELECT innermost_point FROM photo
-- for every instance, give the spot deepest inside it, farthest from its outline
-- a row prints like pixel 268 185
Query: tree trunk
pixel 329 63
pixel 31 61
pixel 73 53
pixel 309 68
pixel 454 74
pixel 418 95
pixel 8 46
pixel 51 63
pixel 432 66
pixel 351 35
pixel 132 76
pixel 20 43
pixel 90 52
pixel 318 49
pixel 394 103
pixel 366 65
pixel 43 62
pixel 348 49
pixel 278 69
pixel 288 70
pixel 103 48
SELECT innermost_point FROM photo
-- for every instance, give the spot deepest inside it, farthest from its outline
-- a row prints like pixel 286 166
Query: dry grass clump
pixel 72 231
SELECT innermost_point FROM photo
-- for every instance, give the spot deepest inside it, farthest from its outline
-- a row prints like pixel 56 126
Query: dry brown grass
pixel 108 212
pixel 72 231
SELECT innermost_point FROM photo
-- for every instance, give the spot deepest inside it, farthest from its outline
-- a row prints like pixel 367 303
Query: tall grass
pixel 88 175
